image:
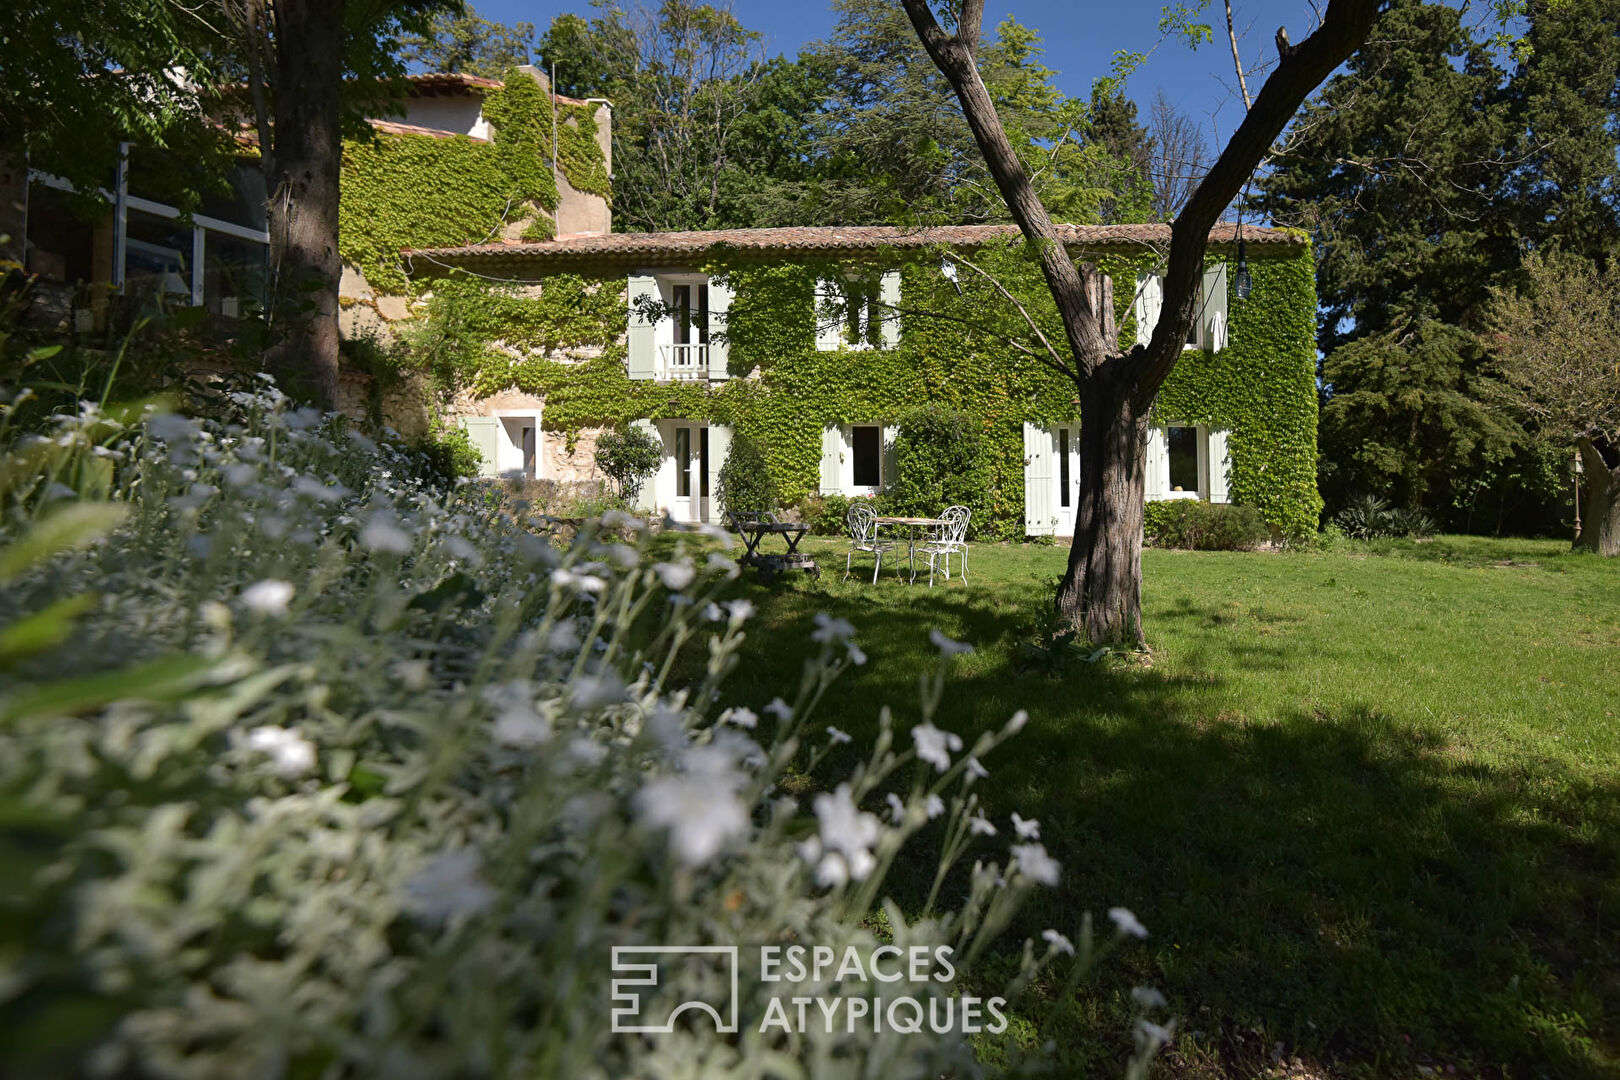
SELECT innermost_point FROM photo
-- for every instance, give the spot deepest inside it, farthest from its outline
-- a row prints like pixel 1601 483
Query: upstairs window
pixel 858 311
pixel 691 304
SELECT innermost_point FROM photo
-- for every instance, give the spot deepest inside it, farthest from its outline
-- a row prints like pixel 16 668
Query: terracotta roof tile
pixel 434 83
pixel 674 248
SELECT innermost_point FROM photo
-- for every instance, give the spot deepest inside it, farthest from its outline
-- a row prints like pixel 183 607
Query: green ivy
pixel 784 390
pixel 419 191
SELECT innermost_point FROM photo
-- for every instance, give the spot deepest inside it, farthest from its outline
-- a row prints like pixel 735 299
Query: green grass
pixel 1367 801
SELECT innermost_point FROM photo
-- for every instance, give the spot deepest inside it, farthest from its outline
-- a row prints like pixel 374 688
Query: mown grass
pixel 1366 800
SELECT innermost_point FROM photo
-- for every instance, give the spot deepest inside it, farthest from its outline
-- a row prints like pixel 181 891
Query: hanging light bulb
pixel 1244 283
pixel 948 268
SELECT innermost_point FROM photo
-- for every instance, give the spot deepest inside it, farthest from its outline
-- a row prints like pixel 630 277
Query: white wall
pixel 462 114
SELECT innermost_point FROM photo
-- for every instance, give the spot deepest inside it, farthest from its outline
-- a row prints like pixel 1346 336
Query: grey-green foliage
pixel 340 772
pixel 745 479
pixel 628 456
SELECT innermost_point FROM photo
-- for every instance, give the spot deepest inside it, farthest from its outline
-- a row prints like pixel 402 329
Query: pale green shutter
pixel 889 294
pixel 832 460
pixel 829 324
pixel 719 450
pixel 1040 518
pixel 1156 466
pixel 1220 468
pixel 1149 303
pixel 483 431
pixel 719 347
pixel 1215 313
pixel 643 289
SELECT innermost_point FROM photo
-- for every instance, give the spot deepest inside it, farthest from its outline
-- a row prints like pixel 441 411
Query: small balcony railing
pixel 682 362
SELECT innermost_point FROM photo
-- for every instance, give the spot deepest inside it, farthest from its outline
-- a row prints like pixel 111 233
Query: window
pixel 1063 466
pixel 867 444
pixel 685 324
pixel 1182 446
pixel 683 463
pixel 703 461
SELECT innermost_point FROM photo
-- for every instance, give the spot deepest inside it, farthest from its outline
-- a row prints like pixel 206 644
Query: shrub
pixel 449 453
pixel 828 515
pixel 938 462
pixel 628 456
pixel 1371 518
pixel 745 483
pixel 1203 526
pixel 312 767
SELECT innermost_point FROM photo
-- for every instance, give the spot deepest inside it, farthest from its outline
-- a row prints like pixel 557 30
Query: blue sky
pixel 1080 42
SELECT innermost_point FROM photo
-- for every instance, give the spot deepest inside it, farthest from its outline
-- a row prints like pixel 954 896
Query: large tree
pixel 464 41
pixel 1101 592
pixel 313 67
pixel 1557 346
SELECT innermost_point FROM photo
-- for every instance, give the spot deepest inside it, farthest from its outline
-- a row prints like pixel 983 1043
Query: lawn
pixel 1365 800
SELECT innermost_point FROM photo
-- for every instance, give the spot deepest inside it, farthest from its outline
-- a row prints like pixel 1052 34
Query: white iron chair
pixel 863 536
pixel 950 539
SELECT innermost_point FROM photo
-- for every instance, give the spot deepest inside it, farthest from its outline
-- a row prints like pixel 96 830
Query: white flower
pixel 856 655
pixel 563 638
pixel 976 770
pixel 1019 719
pixel 291 755
pixel 701 812
pixel 832 630
pixel 946 646
pixel 741 716
pixel 1036 864
pixel 593 692
pixel 848 831
pixel 517 724
pixel 1151 1036
pixel 740 611
pixel 726 566
pixel 1147 997
pixel 838 736
pixel 780 709
pixel 448 887
pixel 934 746
pixel 412 674
pixel 980 825
pixel 675 576
pixel 1126 922
pixel 1058 942
pixel 327 493
pixel 711 612
pixel 934 805
pixel 618 519
pixel 567 579
pixel 382 534
pixel 897 809
pixel 1029 829
pixel 268 597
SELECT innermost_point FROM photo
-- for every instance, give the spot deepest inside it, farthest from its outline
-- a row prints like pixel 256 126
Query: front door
pixel 691 452
pixel 1066 475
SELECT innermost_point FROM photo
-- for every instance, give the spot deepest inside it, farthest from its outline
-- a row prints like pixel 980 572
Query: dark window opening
pixel 683 463
pixel 1182 443
pixel 703 460
pixel 1063 466
pixel 529 451
pixel 683 314
pixel 868 447
pixel 703 314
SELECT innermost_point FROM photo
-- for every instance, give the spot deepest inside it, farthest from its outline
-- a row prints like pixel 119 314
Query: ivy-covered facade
pixel 815 344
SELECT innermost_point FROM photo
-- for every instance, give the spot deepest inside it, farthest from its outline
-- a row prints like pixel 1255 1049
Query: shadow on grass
pixel 1363 890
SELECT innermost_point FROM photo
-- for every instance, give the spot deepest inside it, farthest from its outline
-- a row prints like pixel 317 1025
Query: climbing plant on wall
pixel 418 191
pixel 564 340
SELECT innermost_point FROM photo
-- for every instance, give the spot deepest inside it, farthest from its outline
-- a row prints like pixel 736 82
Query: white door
pixel 1065 475
pixel 689 446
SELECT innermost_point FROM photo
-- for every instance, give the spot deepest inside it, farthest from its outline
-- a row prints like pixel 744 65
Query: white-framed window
pixel 866 457
pixel 1187 461
pixel 858 459
pixel 858 310
pixel 677 326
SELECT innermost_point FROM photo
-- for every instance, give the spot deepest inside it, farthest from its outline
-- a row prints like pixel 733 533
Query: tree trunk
pixel 1600 497
pixel 1101 594
pixel 303 212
